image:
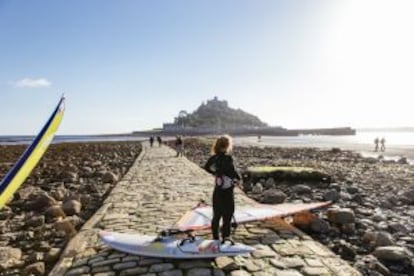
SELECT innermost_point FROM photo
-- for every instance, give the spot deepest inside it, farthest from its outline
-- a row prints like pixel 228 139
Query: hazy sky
pixel 132 65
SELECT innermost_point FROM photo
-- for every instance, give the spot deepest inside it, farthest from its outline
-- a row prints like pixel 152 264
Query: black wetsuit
pixel 223 199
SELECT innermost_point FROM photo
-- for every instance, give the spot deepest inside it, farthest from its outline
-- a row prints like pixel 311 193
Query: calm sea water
pixel 398 143
pixel 14 139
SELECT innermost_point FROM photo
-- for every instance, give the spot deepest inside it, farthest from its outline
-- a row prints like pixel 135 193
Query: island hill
pixel 216 117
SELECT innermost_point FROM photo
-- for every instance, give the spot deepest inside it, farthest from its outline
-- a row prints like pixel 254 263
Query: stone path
pixel 155 192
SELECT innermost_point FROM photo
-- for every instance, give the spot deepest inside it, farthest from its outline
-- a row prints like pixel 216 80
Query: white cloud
pixel 33 83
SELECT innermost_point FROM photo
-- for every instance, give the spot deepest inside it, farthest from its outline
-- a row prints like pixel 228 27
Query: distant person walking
pixel 159 141
pixel 151 140
pixel 179 146
pixel 382 144
pixel 376 142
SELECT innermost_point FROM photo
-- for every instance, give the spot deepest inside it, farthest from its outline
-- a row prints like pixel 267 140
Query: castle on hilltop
pixel 217 117
pixel 214 116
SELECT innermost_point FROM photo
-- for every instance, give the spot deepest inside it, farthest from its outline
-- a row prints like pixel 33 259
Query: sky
pixel 133 65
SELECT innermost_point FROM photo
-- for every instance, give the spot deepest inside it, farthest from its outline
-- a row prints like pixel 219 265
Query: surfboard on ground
pixel 171 247
pixel 166 245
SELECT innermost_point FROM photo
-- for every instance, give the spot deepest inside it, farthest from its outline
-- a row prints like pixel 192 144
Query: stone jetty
pixel 152 195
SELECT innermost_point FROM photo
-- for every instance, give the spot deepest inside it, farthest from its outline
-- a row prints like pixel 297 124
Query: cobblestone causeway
pixel 154 193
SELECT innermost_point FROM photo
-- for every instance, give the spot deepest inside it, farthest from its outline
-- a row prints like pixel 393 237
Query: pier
pixel 153 194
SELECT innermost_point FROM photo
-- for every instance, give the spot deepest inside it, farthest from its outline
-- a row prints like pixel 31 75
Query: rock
pixel 76 221
pixel 36 257
pixel 331 195
pixel 65 225
pixel 72 207
pixel 408 196
pixel 398 228
pixel 384 239
pixel 335 186
pixel 42 201
pixel 257 189
pixel 392 253
pixel 341 215
pixel 9 257
pixel 301 189
pixel 36 269
pixel 345 250
pixel 26 192
pixel 35 221
pixel 55 212
pixel 52 255
pixel 87 171
pixel 273 196
pixel 69 176
pixel 348 228
pixel 370 237
pixel 6 213
pixel 319 226
pixel 403 161
pixel 352 190
pixel 109 177
pixel 60 192
pixel 370 264
pixel 269 183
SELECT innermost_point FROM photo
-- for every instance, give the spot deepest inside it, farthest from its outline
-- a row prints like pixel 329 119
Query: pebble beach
pixel 369 225
pixel 371 221
pixel 64 190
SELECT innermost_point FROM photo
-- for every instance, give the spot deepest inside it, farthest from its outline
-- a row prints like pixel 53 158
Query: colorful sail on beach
pixel 31 156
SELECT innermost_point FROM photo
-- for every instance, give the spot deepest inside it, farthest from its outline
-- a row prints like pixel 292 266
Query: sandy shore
pixel 392 152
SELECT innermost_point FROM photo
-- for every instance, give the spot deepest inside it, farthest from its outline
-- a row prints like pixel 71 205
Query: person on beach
pixel 159 141
pixel 382 144
pixel 151 140
pixel 222 165
pixel 179 146
pixel 376 142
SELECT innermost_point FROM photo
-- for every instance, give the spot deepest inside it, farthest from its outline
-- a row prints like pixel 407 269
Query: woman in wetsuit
pixel 221 165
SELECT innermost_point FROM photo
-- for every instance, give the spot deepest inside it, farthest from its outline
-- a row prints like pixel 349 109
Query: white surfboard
pixel 171 247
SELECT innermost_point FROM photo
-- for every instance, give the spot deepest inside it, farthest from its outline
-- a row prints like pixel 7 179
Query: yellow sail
pixel 31 156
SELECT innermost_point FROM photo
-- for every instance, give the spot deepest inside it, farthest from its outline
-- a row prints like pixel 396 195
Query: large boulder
pixel 408 196
pixel 35 221
pixel 384 239
pixel 341 215
pixel 332 195
pixel 392 253
pixel 65 225
pixel 301 189
pixel 42 201
pixel 72 207
pixel 55 211
pixel 9 257
pixel 35 269
pixel 109 177
pixel 273 196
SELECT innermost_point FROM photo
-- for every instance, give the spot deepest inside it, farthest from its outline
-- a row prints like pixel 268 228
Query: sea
pixel 398 143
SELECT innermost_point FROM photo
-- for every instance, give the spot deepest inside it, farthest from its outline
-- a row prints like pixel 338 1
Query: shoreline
pixel 394 152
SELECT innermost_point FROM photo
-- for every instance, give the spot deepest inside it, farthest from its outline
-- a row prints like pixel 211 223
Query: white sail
pixel 200 218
